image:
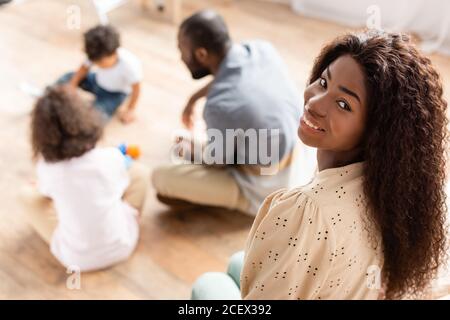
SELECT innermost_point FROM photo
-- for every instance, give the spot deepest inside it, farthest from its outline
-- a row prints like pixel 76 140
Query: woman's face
pixel 335 108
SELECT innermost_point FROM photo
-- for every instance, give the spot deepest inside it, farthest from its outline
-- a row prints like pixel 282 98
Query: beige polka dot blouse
pixel 314 242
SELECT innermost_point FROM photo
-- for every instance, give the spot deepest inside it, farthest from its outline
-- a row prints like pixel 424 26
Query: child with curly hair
pixel 117 73
pixel 96 198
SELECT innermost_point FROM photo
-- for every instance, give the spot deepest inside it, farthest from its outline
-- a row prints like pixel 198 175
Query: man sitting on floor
pixel 252 112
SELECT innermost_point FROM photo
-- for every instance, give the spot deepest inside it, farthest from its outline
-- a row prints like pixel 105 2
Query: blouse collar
pixel 348 172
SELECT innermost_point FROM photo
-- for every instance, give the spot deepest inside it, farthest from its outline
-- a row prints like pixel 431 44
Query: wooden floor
pixel 175 247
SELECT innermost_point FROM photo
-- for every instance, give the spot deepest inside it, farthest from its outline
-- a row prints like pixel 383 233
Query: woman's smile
pixel 309 124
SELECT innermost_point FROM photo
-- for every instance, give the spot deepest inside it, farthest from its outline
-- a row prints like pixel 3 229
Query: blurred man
pixel 250 99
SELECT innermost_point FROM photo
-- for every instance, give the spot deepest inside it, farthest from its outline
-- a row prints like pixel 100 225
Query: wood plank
pixel 175 246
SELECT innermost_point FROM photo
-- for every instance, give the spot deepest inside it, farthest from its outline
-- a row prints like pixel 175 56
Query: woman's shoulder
pixel 324 193
pixel 340 211
pixel 288 203
pixel 336 192
pixel 334 203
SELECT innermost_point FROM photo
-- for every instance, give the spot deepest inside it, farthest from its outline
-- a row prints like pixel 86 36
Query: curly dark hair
pixel 63 125
pixel 404 145
pixel 101 41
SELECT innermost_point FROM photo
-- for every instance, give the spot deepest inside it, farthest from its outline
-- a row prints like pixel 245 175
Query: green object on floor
pixel 219 285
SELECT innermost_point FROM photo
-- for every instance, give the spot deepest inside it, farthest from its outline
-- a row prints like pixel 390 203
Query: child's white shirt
pixel 96 228
pixel 120 77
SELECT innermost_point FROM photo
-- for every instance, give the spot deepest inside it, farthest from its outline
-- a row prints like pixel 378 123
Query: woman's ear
pixel 202 56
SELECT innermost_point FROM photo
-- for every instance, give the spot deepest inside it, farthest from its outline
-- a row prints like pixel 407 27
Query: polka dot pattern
pixel 320 245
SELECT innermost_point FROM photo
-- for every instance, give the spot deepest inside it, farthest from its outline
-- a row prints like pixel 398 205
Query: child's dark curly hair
pixel 101 41
pixel 405 151
pixel 63 125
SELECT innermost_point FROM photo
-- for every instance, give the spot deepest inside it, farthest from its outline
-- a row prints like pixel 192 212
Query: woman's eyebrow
pixel 350 92
pixel 344 89
pixel 328 72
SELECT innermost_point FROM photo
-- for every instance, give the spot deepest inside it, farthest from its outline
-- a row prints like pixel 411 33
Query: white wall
pixel 430 19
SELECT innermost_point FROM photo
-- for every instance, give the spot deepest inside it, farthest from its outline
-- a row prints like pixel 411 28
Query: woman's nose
pixel 317 106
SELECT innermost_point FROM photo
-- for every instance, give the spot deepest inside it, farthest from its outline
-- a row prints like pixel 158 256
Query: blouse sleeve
pixel 290 250
pixel 262 213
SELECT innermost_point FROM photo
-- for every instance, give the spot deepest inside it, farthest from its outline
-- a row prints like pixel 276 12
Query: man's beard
pixel 197 70
pixel 200 73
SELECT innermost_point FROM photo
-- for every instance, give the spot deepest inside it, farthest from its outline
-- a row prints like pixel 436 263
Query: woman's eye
pixel 323 82
pixel 344 105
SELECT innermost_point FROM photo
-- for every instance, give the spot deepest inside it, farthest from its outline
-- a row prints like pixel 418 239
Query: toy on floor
pixel 131 152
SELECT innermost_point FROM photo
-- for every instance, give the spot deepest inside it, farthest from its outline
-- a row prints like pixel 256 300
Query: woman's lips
pixel 311 124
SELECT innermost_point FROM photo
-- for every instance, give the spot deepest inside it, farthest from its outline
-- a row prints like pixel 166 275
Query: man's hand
pixel 188 114
pixel 183 147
